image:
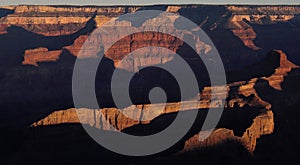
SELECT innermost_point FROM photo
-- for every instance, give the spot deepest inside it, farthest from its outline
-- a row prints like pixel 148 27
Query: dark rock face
pixel 38 48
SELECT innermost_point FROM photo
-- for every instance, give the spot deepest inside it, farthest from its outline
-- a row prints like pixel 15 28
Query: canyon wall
pixel 57 21
pixel 234 21
pixel 33 56
pixel 27 31
pixel 43 18
pixel 239 94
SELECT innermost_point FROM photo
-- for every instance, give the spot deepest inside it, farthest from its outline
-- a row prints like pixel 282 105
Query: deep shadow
pixel 14 43
pixel 5 12
pixel 282 146
pixel 281 35
pixel 236 120
pixel 29 93
pixel 265 68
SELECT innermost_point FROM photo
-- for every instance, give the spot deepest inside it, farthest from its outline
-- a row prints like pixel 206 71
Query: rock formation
pixel 239 21
pixel 245 32
pixel 59 20
pixel 240 94
pixel 242 35
pixel 285 67
pixel 34 56
pixel 3 28
pixel 263 124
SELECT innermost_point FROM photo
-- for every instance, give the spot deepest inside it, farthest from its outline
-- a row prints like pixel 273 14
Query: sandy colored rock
pixel 33 56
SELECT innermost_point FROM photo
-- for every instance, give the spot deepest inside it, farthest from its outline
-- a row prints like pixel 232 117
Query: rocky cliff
pixel 33 56
pixel 237 20
pixel 39 45
pixel 239 95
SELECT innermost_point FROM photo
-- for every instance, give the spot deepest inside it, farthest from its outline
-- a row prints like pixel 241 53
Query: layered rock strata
pixel 239 95
pixel 63 20
pixel 33 56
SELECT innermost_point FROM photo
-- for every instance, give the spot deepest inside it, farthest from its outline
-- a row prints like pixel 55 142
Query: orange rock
pixel 33 56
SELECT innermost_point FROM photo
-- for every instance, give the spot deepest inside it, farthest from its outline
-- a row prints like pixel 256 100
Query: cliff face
pixel 104 117
pixel 285 67
pixel 58 20
pixel 33 56
pixel 42 19
pixel 243 16
pixel 39 44
pixel 3 28
pixel 267 10
pixel 233 21
pixel 244 31
pixel 263 124
pixel 239 95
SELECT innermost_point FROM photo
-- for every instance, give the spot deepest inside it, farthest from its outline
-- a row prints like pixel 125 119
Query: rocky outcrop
pixel 60 20
pixel 112 10
pixel 134 42
pixel 242 15
pixel 218 136
pixel 102 118
pixel 261 9
pixel 55 21
pixel 245 32
pixel 152 56
pixel 262 125
pixel 155 54
pixel 173 9
pixel 239 95
pixel 53 29
pixel 285 67
pixel 242 34
pixel 33 56
pixel 65 20
pixel 76 46
pixel 20 20
pixel 3 28
pixel 42 18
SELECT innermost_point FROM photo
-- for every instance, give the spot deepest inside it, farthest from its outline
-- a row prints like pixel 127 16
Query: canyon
pixel 263 124
pixel 258 46
pixel 234 19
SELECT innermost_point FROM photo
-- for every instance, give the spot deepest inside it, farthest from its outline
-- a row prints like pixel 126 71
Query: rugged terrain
pixel 259 49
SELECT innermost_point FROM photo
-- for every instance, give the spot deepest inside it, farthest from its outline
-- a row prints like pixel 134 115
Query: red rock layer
pixel 245 32
pixel 3 28
pixel 139 40
pixel 33 56
pixel 75 48
pixel 53 29
pixel 263 124
pixel 285 66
